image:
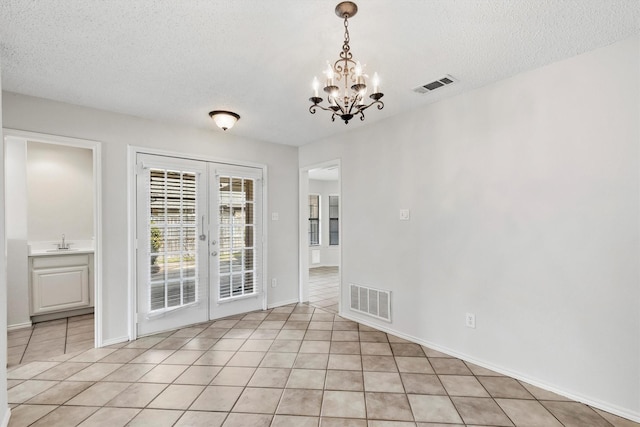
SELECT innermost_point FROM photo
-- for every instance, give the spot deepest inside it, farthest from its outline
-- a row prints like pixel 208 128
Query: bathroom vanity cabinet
pixel 61 282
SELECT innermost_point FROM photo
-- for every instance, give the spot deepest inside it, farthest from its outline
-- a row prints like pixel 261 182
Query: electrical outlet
pixel 404 215
pixel 275 216
pixel 274 283
pixel 470 320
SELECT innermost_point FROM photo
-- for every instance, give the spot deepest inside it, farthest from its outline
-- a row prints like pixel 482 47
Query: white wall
pixel 329 255
pixel 4 407
pixel 524 199
pixel 60 192
pixel 117 132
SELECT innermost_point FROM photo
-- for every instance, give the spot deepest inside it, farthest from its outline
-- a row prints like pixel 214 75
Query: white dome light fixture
pixel 224 119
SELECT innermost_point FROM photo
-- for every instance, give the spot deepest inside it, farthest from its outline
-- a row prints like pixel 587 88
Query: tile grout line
pixel 284 388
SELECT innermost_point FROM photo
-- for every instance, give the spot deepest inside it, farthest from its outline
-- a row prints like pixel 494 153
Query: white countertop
pixel 51 252
pixel 49 248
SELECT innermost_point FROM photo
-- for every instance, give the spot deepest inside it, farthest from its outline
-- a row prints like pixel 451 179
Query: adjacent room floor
pixel 49 339
pixel 323 288
pixel 290 366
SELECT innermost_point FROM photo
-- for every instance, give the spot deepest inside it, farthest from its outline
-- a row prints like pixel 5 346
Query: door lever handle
pixel 214 253
pixel 203 236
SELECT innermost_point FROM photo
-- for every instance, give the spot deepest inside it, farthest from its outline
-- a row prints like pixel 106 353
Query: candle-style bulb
pixel 316 86
pixel 376 83
pixel 358 72
pixel 358 69
pixel 334 95
pixel 329 72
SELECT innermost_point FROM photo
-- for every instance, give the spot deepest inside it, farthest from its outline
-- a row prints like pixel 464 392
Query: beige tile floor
pixel 49 339
pixel 323 288
pixel 290 366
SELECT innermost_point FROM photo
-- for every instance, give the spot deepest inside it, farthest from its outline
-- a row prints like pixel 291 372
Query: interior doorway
pixel 53 241
pixel 320 228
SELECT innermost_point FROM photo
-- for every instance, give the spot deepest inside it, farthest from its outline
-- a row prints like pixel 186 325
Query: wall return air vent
pixel 374 302
pixel 436 84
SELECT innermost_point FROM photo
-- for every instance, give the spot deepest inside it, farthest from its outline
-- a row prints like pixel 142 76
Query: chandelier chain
pixel 345 46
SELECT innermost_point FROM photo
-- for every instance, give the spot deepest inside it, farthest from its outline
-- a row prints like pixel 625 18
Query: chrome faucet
pixel 63 245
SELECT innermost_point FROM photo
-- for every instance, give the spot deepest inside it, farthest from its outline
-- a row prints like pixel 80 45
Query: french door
pixel 199 234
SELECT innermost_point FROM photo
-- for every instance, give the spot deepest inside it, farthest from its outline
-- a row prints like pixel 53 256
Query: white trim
pixel 7 416
pixel 188 156
pixel 113 341
pixel 265 227
pixel 132 170
pixel 17 326
pixel 96 147
pixel 613 409
pixel 164 311
pixel 283 303
pixel 132 152
pixel 303 239
pixel 238 298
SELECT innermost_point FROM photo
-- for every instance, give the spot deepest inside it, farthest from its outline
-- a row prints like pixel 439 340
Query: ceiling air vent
pixel 429 87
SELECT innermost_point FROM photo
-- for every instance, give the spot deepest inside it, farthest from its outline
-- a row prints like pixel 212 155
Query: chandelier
pixel 346 85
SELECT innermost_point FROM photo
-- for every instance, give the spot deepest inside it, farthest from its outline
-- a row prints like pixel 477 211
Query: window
pixel 334 228
pixel 237 234
pixel 314 220
pixel 172 236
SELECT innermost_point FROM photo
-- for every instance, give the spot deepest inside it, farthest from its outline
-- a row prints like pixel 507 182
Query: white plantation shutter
pixel 172 233
pixel 238 236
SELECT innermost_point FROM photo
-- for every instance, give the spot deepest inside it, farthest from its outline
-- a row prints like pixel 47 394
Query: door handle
pixel 203 236
pixel 214 253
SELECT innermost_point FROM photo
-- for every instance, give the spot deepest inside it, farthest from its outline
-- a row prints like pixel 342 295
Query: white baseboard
pixel 7 416
pixel 281 303
pixel 113 341
pixel 607 407
pixel 17 326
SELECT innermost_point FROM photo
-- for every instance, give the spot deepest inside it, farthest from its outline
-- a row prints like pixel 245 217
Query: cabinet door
pixel 63 288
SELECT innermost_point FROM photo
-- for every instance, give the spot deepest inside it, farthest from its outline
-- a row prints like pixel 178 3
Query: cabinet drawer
pixel 60 261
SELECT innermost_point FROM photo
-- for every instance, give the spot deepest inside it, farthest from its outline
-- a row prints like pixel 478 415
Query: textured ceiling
pixel 177 60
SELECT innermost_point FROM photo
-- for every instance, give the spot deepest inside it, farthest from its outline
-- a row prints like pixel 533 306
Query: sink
pixel 61 250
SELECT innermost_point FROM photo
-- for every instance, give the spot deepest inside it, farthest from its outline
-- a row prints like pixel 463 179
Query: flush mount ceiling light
pixel 346 84
pixel 224 119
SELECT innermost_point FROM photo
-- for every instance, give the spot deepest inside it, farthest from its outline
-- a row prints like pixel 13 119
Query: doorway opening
pixel 53 240
pixel 320 230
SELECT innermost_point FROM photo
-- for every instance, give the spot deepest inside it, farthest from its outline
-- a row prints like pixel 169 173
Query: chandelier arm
pixel 312 108
pixel 379 104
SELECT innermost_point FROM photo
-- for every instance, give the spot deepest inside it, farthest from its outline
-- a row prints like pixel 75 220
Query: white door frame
pixel 303 233
pixel 132 153
pixel 96 148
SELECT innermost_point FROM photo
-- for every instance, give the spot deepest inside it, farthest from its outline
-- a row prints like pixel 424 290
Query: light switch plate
pixel 275 216
pixel 404 215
